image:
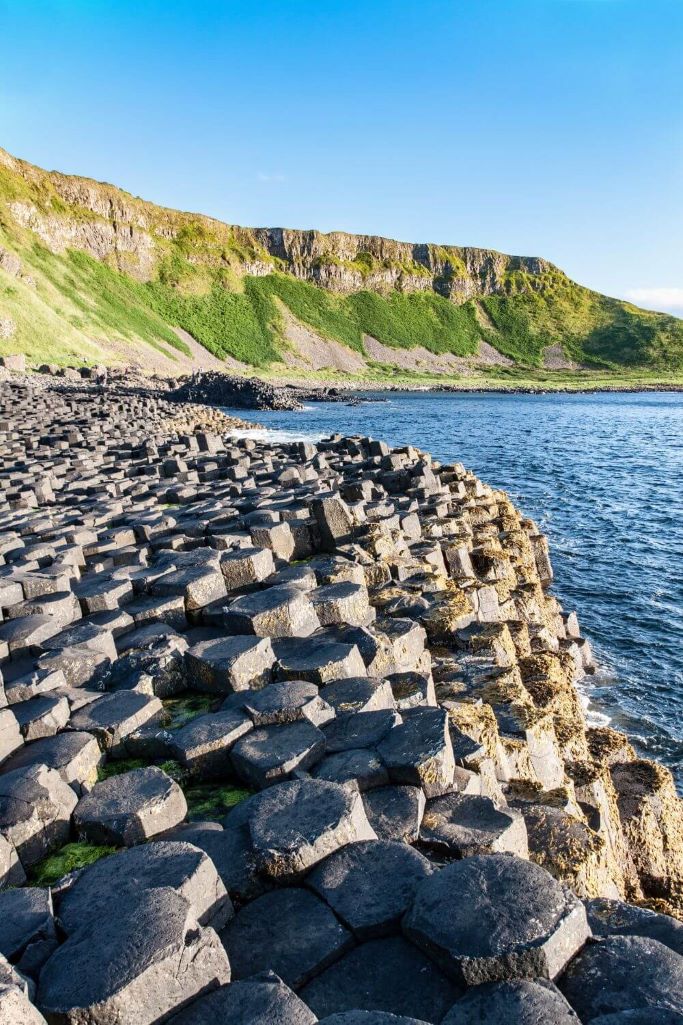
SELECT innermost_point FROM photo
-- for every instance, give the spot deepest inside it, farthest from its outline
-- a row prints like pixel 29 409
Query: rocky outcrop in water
pixel 217 389
pixel 290 732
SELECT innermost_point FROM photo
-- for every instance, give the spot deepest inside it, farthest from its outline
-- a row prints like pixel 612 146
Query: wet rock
pixel 290 932
pixel 130 808
pixel 496 917
pixel 157 958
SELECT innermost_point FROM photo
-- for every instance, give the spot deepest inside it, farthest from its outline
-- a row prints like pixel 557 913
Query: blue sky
pixel 542 127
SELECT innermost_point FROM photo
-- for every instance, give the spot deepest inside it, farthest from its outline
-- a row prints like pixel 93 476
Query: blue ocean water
pixel 602 474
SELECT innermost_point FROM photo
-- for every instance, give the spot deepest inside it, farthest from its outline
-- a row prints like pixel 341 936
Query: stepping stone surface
pixel 157 958
pixel 496 917
pixel 290 932
pixel 370 885
pixel 261 1000
pixel 623 973
pixel 522 1002
pixel 460 825
pixel 297 824
pixel 130 808
pixel 173 863
pixel 383 975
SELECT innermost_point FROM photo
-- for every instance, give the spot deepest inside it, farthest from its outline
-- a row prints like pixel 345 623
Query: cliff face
pixel 248 293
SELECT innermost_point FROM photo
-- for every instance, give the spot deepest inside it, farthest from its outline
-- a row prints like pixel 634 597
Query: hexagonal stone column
pixel 130 808
pixel 295 825
pixel 496 917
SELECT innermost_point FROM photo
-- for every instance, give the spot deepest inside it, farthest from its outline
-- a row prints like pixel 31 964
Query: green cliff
pixel 89 272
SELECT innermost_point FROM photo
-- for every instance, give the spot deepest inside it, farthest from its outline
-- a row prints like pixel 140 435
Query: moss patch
pixel 183 709
pixel 116 768
pixel 65 860
pixel 212 801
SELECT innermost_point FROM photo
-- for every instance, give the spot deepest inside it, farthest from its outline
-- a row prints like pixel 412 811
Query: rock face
pixel 297 726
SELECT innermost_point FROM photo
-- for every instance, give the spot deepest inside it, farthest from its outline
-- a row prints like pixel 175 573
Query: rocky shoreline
pixel 291 733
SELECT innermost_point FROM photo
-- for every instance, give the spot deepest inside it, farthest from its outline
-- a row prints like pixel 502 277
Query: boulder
pixel 615 918
pixel 419 752
pixel 276 612
pixel 205 743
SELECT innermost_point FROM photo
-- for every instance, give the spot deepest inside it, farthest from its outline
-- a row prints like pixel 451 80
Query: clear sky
pixel 541 127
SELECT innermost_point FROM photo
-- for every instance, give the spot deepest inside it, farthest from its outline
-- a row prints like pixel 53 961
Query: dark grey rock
pixel 271 754
pixel 369 1018
pixel 522 1002
pixel 623 973
pixel 461 825
pixel 205 743
pixel 35 811
pixel 297 824
pixel 383 975
pixel 157 957
pixel 288 931
pixel 496 917
pixel 362 766
pixel 359 694
pixel 75 756
pixel 419 752
pixel 230 664
pixel 114 717
pixel 288 701
pixel 395 812
pixel 616 918
pixel 130 808
pixel 370 885
pixel 276 612
pixel 26 918
pixel 261 1000
pixel 174 863
pixel 317 659
pixel 359 729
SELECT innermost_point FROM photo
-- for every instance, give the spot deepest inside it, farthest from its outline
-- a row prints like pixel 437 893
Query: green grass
pixel 67 859
pixel 116 768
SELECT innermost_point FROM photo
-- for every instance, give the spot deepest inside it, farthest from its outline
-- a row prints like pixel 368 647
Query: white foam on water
pixel 275 435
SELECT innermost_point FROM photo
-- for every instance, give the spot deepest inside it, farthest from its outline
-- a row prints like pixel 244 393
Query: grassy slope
pixel 198 284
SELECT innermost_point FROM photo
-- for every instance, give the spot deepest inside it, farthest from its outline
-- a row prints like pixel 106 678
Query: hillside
pixel 89 272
